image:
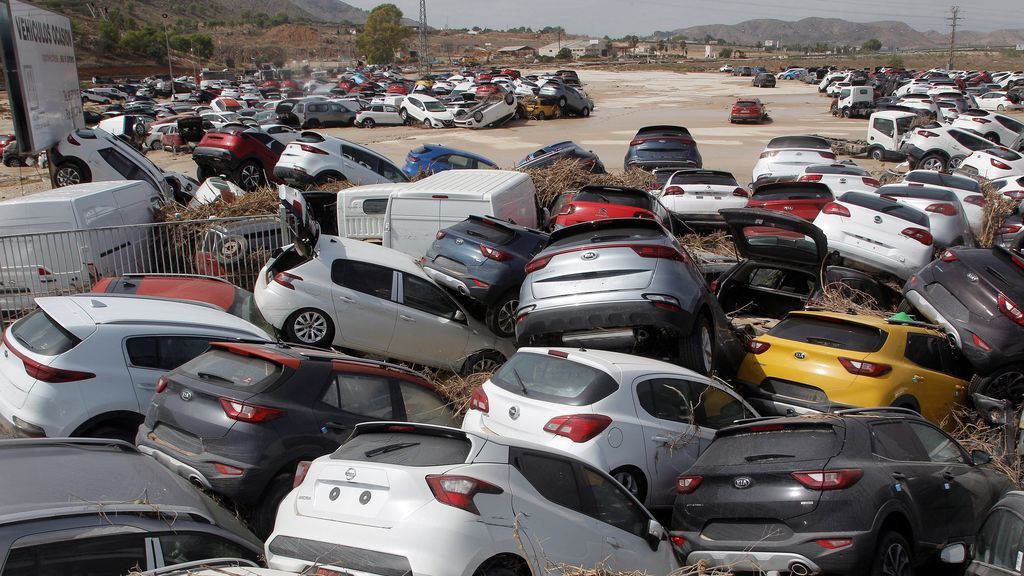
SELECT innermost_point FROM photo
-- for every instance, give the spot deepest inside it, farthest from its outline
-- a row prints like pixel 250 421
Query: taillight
pixel 537 264
pixel 927 134
pixel 999 165
pixel 458 491
pixel 758 346
pixel 949 256
pixel 870 182
pixel 161 384
pixel 666 252
pixel 769 154
pixel 985 347
pixel 688 484
pixel 836 210
pixel 663 301
pixel 300 472
pixel 741 192
pixel 478 401
pixel 226 470
pixel 495 254
pixel 809 178
pixel 942 208
pixel 285 279
pixel 567 210
pixel 865 368
pixel 311 149
pixel 248 412
pixel 46 373
pixel 677 540
pixel 828 155
pixel 828 479
pixel 674 191
pixel 440 234
pixel 413 159
pixel 1014 195
pixel 1010 309
pixel 922 236
pixel 578 427
pixel 1008 229
pixel 980 120
pixel 976 200
pixel 72 141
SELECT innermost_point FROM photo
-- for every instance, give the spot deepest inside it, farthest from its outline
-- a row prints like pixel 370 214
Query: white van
pixel 886 130
pixel 361 210
pixel 59 241
pixel 418 210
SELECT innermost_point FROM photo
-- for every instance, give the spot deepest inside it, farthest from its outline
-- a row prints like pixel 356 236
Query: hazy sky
pixel 621 17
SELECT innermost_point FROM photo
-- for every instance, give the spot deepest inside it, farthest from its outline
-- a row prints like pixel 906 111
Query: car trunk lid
pixel 802 200
pixel 307 230
pixel 594 268
pixel 780 238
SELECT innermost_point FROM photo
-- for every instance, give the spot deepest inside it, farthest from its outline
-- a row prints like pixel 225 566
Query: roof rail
pixel 120 444
pixel 110 508
pixel 876 409
pixel 188 567
pixel 133 275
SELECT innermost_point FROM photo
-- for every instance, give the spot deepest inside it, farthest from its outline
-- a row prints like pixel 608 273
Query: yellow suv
pixel 822 360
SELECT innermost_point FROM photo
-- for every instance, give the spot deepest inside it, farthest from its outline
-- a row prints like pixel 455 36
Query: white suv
pixel 426 110
pixel 88 365
pixel 400 498
pixel 996 127
pixel 313 158
pixel 643 421
pixel 940 148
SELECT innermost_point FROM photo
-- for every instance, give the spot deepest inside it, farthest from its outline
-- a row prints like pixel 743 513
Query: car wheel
pixel 541 116
pixel 263 515
pixel 932 162
pixel 697 351
pixel 156 145
pixel 369 123
pixel 312 123
pixel 509 99
pixel 908 402
pixel 311 327
pixel 501 317
pixel 561 102
pixel 230 250
pixel 893 556
pixel 585 112
pixel 13 162
pixel 249 176
pixel 404 115
pixel 328 177
pixel 70 172
pixel 426 123
pixel 203 172
pixel 955 162
pixel 993 137
pixel 486 361
pixel 478 116
pixel 847 113
pixel 877 153
pixel 632 480
pixel 1000 108
pixel 1006 383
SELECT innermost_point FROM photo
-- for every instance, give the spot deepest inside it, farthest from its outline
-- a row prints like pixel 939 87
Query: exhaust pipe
pixel 463 290
pixel 195 480
pixel 799 569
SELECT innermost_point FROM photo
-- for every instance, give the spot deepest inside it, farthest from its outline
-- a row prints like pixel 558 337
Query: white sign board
pixel 42 75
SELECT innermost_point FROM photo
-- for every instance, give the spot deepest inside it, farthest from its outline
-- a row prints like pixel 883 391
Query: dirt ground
pixel 625 101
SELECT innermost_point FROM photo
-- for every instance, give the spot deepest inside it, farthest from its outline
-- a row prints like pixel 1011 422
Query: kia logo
pixel 186 395
pixel 588 255
pixel 513 412
pixel 335 492
pixel 742 482
pixel 350 473
pixel 799 355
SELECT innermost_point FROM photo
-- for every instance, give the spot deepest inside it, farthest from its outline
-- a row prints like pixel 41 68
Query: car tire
pixel 478 116
pixel 632 480
pixel 501 316
pixel 561 102
pixel 426 123
pixel 327 177
pixel 310 327
pixel 230 250
pixel 503 566
pixel 908 402
pixel 1005 383
pixel 932 162
pixel 541 116
pixel 847 113
pixel 877 153
pixel 509 99
pixel 249 176
pixel 312 124
pixel 1000 108
pixel 202 173
pixel 485 361
pixel 13 162
pixel 955 162
pixel 70 172
pixel 697 351
pixel 368 123
pixel 156 145
pixel 262 516
pixel 404 115
pixel 893 556
pixel 585 112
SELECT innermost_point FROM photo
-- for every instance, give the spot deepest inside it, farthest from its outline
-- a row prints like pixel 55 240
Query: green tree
pixel 894 61
pixel 383 34
pixel 725 53
pixel 110 37
pixel 871 45
pixel 564 54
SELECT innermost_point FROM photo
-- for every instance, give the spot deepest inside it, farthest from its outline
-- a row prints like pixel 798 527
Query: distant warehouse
pixel 524 52
pixel 579 48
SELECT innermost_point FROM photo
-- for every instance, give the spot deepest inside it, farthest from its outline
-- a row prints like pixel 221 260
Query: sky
pixel 617 18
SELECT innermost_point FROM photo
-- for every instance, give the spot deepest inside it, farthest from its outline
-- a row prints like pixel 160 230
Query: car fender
pixel 891 507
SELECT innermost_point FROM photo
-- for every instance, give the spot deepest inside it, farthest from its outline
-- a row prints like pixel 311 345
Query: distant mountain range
pixel 835 31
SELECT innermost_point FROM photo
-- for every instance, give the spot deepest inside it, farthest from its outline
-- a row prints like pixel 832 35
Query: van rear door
pixel 411 223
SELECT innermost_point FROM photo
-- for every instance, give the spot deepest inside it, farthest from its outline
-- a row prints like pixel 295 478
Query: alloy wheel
pixel 310 327
pixel 933 164
pixel 628 482
pixel 507 317
pixel 250 176
pixel 706 348
pixel 68 176
pixel 896 562
pixel 485 364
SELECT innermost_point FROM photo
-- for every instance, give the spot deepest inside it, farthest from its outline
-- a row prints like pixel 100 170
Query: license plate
pixel 329 572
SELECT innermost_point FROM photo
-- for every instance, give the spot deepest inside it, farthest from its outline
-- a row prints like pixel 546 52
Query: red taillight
pixel 942 208
pixel 458 491
pixel 758 346
pixel 809 178
pixel 677 540
pixel 828 479
pixel 227 470
pixel 567 210
pixel 285 279
pixel 870 182
pixel 666 252
pixel 1014 195
pixel 741 192
pixel 836 210
pixel 413 159
pixel 300 472
pixel 478 401
pixel 1010 309
pixel 440 234
pixel 311 149
pixel 72 141
pixel 980 343
pixel 976 200
pixel 927 134
pixel 834 543
pixel 495 254
pixel 1008 229
pixel 161 384
pixel 558 353
pixel 578 427
pixel 980 120
pixel 828 155
pixel 46 373
pixel 688 484
pixel 922 236
pixel 865 368
pixel 999 165
pixel 43 271
pixel 248 412
pixel 537 264
pixel 674 191
pixel 949 256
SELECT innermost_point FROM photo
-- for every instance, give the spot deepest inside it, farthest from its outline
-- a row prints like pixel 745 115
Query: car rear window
pixel 830 169
pixel 811 142
pixel 746 103
pixel 554 379
pixel 772 443
pixel 405 449
pixel 614 197
pixel 1003 153
pixel 792 193
pixel 832 333
pixel 947 180
pixel 234 371
pixel 43 335
pixel 917 192
pixel 491 233
pixel 885 206
pixel 1010 123
pixel 708 179
pixel 609 235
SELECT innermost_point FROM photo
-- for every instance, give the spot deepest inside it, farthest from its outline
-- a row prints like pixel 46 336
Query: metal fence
pixel 69 262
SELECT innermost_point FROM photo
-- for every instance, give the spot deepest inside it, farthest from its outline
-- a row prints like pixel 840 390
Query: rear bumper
pixel 293 175
pixel 741 560
pixel 558 321
pixel 782 556
pixel 463 283
pixel 222 161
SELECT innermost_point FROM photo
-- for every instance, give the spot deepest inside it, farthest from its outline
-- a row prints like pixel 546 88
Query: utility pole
pixel 424 59
pixel 954 18
pixel 170 68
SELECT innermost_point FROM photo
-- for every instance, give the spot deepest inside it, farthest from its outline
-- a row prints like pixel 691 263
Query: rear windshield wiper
pixel 767 457
pixel 389 448
pixel 824 342
pixel 520 380
pixel 217 377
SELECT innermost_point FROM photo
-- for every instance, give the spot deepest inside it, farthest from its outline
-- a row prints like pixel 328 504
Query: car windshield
pixel 434 106
pixel 830 332
pixel 485 230
pixel 43 335
pixel 553 379
pixel 624 198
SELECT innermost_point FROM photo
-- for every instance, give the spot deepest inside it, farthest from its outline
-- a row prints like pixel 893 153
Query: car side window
pixel 460 161
pixel 666 399
pixel 362 158
pixel 717 408
pixel 389 108
pixel 925 350
pixel 610 504
pixel 165 352
pixel 422 295
pixel 424 406
pixel 938 446
pixel 361 394
pixel 117 554
pixel 338 108
pixel 896 441
pixel 764 278
pixel 999 540
pixel 552 477
pixel 123 165
pixel 389 171
pixel 363 277
pixel 188 547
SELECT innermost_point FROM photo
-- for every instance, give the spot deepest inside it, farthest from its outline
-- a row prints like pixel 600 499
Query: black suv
pixel 238 419
pixel 862 491
pixel 485 259
pixel 662 147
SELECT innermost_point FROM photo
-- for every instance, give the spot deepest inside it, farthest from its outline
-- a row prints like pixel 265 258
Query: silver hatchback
pixel 624 285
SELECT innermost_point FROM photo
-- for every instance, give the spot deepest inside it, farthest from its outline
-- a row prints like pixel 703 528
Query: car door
pixel 151 356
pixel 353 397
pixel 120 550
pixel 364 304
pixel 390 115
pixel 929 379
pixel 999 548
pixel 431 328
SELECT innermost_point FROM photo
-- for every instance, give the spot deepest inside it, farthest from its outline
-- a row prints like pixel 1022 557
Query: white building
pixel 579 48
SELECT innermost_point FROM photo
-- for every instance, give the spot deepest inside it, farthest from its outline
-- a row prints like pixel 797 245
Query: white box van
pixel 361 210
pixel 886 130
pixel 419 209
pixel 58 241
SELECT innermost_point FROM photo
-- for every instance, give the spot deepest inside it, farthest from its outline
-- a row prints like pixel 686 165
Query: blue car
pixel 548 155
pixel 433 158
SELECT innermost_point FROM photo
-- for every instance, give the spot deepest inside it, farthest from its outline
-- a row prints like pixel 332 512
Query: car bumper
pixel 561 321
pixel 899 266
pixel 913 153
pixel 798 551
pixel 293 175
pixel 220 160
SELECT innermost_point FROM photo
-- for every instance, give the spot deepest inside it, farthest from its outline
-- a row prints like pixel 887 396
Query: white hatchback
pixel 839 178
pixel 643 421
pixel 695 196
pixel 787 156
pixel 998 128
pixel 993 163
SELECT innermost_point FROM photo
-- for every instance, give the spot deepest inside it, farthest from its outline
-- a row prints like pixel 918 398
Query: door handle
pixel 346 299
pixel 612 542
pixel 660 438
pixel 335 426
pixel 406 318
pixel 915 378
pixel 899 476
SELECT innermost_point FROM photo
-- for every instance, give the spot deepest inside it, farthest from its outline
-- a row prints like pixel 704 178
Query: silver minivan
pixel 324 113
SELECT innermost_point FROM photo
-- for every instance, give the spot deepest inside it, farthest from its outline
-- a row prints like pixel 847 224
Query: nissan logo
pixel 588 255
pixel 513 412
pixel 186 395
pixel 335 492
pixel 742 482
pixel 350 473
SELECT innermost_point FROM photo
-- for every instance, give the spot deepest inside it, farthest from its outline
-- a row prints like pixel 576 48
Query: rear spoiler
pixel 409 428
pixel 596 225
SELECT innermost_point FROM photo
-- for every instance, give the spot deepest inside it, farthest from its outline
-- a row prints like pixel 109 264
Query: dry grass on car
pixel 718 243
pixel 845 299
pixel 567 175
pixel 456 388
pixel 974 434
pixel 259 202
pixel 997 208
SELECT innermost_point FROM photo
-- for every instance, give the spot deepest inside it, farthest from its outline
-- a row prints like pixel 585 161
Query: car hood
pixel 769 236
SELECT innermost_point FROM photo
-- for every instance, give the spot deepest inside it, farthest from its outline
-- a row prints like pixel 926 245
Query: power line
pixel 954 18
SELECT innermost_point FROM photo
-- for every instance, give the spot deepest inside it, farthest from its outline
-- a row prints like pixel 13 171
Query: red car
pixel 748 110
pixel 246 156
pixel 270 85
pixel 290 84
pixel 216 291
pixel 803 199
pixel 511 73
pixel 488 89
pixel 600 202
pixel 398 88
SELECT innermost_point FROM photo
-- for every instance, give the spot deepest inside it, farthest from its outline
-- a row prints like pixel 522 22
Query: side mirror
pixel 953 554
pixel 991 410
pixel 460 316
pixel 980 457
pixel 656 534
